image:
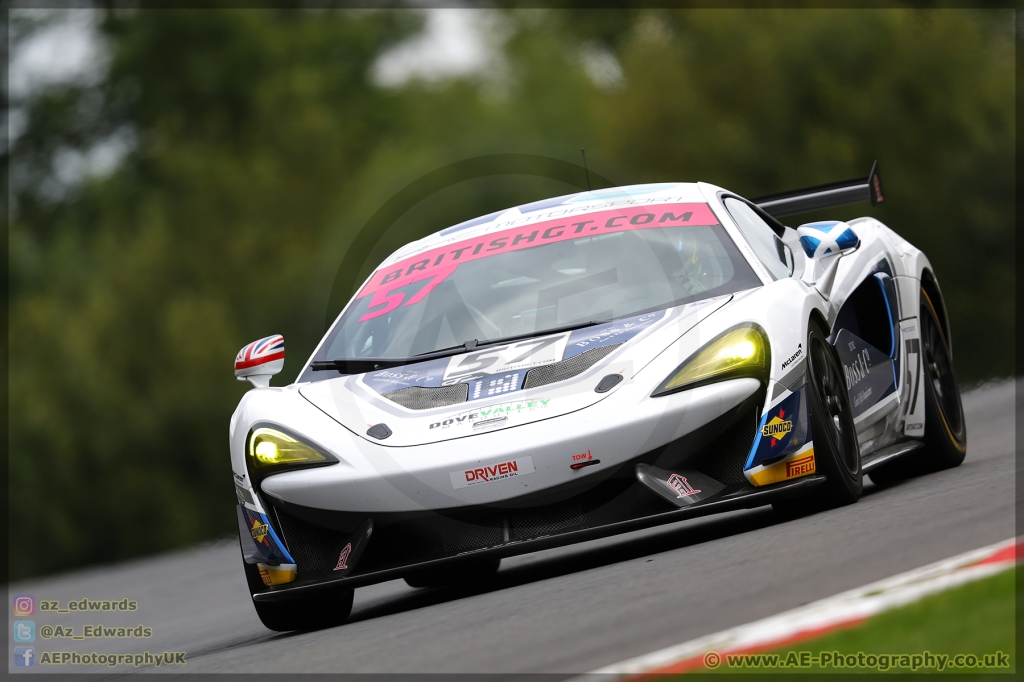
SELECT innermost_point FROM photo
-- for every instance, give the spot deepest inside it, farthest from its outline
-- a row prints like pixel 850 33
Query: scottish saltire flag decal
pixel 829 236
pixel 260 352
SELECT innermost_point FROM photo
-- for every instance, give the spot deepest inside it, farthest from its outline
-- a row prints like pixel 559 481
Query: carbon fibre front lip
pixel 745 499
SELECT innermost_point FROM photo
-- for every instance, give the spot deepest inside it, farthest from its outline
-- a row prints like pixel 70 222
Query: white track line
pixel 814 619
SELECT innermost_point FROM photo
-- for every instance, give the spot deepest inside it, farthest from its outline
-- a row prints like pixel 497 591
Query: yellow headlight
pixel 268 447
pixel 743 350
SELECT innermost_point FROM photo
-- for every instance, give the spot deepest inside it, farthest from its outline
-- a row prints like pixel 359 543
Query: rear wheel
pixel 463 573
pixel 323 609
pixel 945 430
pixel 836 453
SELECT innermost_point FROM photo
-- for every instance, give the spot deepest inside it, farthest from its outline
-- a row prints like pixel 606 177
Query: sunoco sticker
pixel 510 468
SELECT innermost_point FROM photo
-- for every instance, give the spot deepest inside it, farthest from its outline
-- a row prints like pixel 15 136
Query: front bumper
pixel 420 478
pixel 615 500
pixel 746 498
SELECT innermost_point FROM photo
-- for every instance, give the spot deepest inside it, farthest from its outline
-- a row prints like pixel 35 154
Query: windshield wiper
pixel 555 330
pixel 361 365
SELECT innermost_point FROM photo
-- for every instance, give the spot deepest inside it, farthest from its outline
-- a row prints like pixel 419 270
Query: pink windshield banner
pixel 437 264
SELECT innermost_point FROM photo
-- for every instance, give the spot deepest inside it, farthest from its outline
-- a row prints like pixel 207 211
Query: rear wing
pixel 824 196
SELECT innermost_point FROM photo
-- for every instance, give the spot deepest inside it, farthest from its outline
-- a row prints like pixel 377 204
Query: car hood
pixel 503 386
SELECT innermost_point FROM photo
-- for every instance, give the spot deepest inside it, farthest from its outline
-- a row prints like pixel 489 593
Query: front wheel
pixel 836 452
pixel 323 609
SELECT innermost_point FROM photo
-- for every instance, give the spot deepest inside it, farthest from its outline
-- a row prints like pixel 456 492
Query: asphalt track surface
pixel 574 609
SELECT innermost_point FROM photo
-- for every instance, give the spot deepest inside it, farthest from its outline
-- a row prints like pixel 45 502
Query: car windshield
pixel 531 278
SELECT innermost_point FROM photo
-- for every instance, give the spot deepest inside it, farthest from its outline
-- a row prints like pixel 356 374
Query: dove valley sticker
pixel 495 415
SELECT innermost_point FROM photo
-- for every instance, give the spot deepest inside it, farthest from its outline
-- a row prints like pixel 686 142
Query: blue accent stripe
pixel 757 441
pixel 892 332
pixel 892 322
pixel 277 541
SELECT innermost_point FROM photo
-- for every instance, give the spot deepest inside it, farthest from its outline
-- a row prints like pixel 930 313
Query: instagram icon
pixel 24 605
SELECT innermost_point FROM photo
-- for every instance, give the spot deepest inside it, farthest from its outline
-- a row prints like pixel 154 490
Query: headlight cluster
pixel 270 450
pixel 742 351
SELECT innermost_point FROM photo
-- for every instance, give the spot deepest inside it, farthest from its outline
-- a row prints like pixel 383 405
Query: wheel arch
pixel 818 315
pixel 930 285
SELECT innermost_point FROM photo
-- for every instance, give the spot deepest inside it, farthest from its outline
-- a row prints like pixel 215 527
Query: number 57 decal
pixel 391 299
pixel 522 355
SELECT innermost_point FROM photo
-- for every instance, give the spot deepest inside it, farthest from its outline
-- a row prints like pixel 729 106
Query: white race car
pixel 583 366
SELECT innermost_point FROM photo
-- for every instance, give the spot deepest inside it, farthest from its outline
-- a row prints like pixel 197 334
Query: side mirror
pixel 824 243
pixel 826 238
pixel 260 360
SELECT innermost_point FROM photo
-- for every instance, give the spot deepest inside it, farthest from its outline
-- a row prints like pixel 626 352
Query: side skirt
pixel 887 454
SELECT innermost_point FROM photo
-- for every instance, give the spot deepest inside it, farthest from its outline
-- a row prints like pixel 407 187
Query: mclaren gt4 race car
pixel 584 366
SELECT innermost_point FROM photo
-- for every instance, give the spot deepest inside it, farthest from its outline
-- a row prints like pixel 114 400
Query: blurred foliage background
pixel 240 152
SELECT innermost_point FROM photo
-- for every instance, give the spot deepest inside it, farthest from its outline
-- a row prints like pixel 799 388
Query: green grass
pixel 976 618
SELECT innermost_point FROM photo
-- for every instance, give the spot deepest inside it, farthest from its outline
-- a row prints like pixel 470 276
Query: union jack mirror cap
pixel 262 358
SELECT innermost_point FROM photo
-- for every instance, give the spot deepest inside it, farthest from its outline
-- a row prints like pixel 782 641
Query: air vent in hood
pixel 566 369
pixel 422 398
pixel 425 398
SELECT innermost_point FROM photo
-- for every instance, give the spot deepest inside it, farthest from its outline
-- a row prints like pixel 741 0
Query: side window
pixel 762 239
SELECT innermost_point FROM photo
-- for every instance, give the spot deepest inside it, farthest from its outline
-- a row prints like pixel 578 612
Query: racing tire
pixel 460 574
pixel 945 429
pixel 836 452
pixel 323 609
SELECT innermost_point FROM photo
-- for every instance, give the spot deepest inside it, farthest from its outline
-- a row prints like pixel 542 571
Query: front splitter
pixel 743 499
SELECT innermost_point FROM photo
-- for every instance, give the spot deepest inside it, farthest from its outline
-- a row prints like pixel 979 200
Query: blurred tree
pixel 132 294
pixel 259 146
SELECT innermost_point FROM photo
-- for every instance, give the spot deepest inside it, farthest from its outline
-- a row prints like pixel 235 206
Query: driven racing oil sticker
pixel 510 468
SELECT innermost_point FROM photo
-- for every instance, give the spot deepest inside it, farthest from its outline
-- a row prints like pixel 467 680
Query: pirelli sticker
pixel 801 463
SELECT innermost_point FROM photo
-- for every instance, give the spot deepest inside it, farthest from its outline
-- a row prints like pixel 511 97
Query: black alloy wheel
pixel 836 452
pixel 950 432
